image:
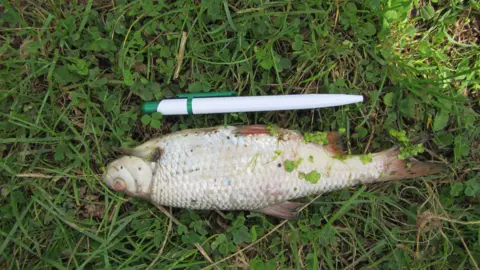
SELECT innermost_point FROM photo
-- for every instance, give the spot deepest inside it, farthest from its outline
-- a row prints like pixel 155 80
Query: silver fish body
pixel 245 168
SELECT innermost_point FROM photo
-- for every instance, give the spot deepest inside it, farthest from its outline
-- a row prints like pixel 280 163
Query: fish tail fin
pixel 399 169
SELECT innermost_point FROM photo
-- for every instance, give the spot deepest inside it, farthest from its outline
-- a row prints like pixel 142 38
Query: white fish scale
pixel 219 170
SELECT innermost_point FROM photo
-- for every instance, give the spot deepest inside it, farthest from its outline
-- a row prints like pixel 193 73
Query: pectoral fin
pixel 284 210
pixel 335 145
pixel 148 152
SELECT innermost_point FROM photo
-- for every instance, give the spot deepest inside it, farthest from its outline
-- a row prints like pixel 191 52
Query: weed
pixel 73 76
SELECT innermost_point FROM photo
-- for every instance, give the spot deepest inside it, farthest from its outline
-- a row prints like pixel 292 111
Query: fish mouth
pixel 105 178
pixel 108 185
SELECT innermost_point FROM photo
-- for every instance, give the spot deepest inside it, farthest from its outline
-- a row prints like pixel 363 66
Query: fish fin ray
pixel 251 130
pixel 335 145
pixel 397 169
pixel 149 154
pixel 284 210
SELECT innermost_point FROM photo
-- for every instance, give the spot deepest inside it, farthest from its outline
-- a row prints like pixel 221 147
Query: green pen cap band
pixel 150 107
pixel 189 106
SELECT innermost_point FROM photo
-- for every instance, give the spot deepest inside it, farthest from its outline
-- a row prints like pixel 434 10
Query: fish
pixel 256 168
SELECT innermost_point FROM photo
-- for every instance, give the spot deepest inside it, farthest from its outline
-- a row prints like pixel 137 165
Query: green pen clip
pixel 151 107
pixel 203 95
pixel 190 97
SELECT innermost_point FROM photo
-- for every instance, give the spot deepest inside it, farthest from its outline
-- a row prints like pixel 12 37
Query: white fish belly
pixel 222 170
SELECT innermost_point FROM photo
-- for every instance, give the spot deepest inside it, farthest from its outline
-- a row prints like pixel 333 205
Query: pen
pixel 225 102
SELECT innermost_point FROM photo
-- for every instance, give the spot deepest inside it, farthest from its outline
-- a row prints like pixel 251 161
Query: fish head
pixel 131 175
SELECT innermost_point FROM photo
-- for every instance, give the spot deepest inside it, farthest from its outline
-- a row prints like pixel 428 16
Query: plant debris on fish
pixel 248 168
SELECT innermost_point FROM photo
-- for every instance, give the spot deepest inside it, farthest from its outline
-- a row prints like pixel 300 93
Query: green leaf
pixel 266 63
pixel 289 166
pixel 60 151
pixel 318 137
pixel 366 158
pixel 241 236
pixel 157 115
pixel 369 29
pixel 388 99
pixel 407 107
pixel 155 123
pixel 462 147
pixel 391 15
pixel 441 120
pixel 257 264
pixel 410 31
pixel 221 238
pixel 128 77
pixel 474 185
pixel 145 119
pixel 292 165
pixel 165 51
pixel 298 43
pixel 374 4
pixel 271 264
pixel 199 87
pixel 361 132
pixel 469 191
pixel 64 75
pixel 427 12
pixel 313 177
pixel 253 233
pixel 191 238
pixel 264 58
pixel 78 65
pixel 19 196
pixel 351 7
pixel 391 118
pixel 284 64
pixel 181 229
pixel 444 138
pixel 340 82
pixel 400 135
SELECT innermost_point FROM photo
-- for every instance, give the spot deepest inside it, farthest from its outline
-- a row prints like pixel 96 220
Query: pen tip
pixel 353 98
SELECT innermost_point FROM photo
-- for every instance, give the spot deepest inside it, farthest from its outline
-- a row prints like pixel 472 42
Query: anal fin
pixel 284 210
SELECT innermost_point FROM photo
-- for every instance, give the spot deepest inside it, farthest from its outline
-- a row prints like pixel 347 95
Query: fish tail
pixel 399 169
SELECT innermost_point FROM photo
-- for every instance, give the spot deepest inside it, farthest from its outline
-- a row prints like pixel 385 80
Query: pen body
pixel 253 104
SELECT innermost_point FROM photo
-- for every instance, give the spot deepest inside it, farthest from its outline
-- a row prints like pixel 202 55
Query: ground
pixel 74 73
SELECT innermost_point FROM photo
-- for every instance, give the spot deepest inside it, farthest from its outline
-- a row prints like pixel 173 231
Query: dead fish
pixel 248 168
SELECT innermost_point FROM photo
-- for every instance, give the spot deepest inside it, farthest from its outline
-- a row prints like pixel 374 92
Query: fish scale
pixel 247 168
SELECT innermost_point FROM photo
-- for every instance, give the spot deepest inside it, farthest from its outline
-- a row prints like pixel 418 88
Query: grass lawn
pixel 74 73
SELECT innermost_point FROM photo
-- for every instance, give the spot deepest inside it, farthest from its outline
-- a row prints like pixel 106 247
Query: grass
pixel 73 75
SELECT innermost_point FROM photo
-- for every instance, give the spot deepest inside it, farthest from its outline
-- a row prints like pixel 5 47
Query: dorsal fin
pixel 252 129
pixel 335 145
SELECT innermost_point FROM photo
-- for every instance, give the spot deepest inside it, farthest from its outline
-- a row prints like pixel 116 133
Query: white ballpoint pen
pixel 225 102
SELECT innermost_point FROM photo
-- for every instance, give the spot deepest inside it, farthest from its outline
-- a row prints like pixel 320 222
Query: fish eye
pixel 119 184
